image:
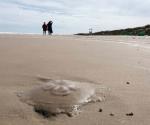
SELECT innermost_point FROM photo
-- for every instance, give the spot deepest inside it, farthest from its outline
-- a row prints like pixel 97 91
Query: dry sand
pixel 108 61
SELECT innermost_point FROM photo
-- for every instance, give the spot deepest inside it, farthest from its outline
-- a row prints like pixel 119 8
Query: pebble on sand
pixel 111 114
pixel 130 114
pixel 100 110
pixel 128 83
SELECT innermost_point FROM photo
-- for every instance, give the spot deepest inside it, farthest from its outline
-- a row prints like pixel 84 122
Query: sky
pixel 72 16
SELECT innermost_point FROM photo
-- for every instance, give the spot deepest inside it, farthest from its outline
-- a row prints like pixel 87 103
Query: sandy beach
pixel 119 63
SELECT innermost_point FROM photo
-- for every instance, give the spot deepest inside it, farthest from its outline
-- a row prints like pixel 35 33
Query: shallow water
pixel 63 96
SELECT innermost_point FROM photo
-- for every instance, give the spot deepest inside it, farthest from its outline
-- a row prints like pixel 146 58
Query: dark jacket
pixel 44 26
pixel 49 27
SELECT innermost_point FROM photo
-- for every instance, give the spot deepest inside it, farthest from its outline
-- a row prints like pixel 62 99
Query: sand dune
pixel 119 63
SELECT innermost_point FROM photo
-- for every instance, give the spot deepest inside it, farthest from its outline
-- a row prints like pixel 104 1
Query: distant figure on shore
pixel 90 31
pixel 49 27
pixel 44 26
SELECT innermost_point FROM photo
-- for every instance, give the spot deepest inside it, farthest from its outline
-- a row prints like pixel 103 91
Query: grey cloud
pixel 77 14
pixel 78 7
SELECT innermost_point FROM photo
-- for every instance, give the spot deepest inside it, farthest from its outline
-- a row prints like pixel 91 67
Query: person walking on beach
pixel 44 26
pixel 49 27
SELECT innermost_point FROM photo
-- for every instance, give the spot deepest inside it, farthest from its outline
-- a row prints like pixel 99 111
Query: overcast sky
pixel 72 16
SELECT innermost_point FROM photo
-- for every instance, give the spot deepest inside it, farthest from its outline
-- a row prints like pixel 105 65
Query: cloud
pixel 72 16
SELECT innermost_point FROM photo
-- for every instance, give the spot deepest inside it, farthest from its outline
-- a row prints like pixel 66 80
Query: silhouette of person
pixel 44 26
pixel 49 27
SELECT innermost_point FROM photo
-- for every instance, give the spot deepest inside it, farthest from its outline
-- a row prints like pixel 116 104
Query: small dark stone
pixel 111 114
pixel 53 114
pixel 100 110
pixel 69 115
pixel 42 112
pixel 130 114
pixel 127 82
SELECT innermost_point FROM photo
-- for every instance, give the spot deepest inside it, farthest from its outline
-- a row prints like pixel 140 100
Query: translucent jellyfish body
pixel 62 96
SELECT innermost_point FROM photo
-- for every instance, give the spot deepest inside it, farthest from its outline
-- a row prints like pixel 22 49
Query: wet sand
pixel 119 63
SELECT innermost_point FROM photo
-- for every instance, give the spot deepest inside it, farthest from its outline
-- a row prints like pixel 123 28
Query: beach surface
pixel 119 63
